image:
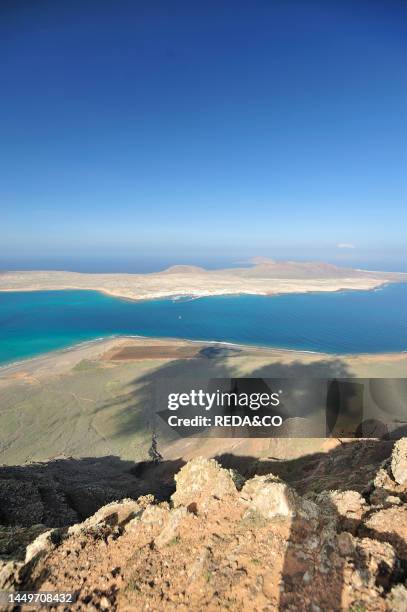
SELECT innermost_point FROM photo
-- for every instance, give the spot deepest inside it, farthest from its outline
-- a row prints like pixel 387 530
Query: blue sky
pixel 156 131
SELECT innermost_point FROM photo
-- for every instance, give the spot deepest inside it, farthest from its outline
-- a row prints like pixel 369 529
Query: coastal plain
pixel 100 399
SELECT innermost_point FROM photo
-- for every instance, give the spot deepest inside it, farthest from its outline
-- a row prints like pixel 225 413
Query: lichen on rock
pixel 399 461
pixel 202 480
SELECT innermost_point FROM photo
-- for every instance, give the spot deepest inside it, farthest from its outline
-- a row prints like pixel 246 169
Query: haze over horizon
pixel 141 135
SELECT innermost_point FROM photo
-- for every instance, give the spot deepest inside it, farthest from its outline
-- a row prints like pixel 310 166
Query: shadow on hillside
pixel 313 570
pixel 350 465
pixel 63 491
pixel 140 400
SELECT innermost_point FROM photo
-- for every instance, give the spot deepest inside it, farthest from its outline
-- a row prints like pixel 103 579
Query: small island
pixel 262 277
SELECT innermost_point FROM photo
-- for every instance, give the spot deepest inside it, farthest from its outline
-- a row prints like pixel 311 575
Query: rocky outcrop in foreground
pixel 222 543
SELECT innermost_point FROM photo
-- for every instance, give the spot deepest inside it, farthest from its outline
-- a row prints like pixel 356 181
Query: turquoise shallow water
pixel 32 323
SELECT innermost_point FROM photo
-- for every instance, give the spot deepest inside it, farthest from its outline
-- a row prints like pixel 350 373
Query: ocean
pixel 32 323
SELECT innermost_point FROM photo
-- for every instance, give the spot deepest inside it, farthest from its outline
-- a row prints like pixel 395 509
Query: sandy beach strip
pixel 123 349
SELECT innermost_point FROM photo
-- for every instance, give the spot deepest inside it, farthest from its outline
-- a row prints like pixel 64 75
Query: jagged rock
pixel 145 501
pixel 42 545
pixel 346 544
pixel 347 506
pixel 105 603
pixel 382 480
pixel 397 599
pixel 307 509
pixel 385 488
pixel 155 515
pixel 10 575
pixel 375 562
pixel 270 497
pixel 171 529
pixel 399 461
pixel 390 525
pixel 265 544
pixel 115 514
pixel 152 516
pixel 393 500
pixel 200 481
pixel 15 539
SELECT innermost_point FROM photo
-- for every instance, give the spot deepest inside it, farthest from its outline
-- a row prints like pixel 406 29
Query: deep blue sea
pixel 32 323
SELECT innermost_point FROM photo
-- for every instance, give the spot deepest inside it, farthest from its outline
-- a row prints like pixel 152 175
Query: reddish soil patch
pixel 132 353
